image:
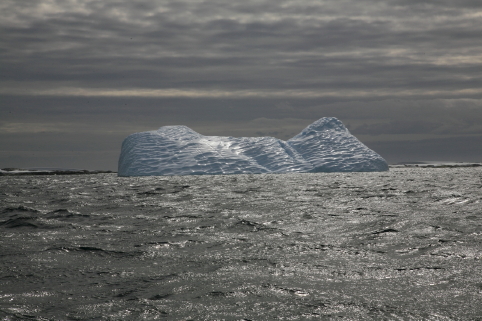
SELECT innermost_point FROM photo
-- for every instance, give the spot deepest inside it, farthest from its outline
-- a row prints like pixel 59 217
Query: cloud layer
pixel 387 68
pixel 367 47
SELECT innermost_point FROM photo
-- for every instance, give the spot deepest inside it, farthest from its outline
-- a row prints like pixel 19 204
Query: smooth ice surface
pixel 324 146
pixel 399 245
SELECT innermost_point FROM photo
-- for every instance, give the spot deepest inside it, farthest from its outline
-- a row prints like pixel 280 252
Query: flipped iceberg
pixel 324 146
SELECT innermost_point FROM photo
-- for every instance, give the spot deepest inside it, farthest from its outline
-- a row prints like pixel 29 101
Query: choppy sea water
pixel 404 244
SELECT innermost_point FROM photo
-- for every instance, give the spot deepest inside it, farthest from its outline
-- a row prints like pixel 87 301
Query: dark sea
pixel 399 245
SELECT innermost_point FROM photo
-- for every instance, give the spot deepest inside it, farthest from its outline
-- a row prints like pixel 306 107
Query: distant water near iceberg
pixel 324 146
pixel 397 245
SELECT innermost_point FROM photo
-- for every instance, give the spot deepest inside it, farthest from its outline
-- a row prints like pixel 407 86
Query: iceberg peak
pixel 323 124
pixel 324 146
pixel 178 131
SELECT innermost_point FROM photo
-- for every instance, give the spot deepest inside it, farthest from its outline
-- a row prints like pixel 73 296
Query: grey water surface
pixel 399 245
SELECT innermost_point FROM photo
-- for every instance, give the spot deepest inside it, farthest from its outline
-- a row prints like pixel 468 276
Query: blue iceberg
pixel 324 146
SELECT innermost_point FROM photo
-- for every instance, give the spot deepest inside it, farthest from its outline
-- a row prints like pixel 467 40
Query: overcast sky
pixel 77 77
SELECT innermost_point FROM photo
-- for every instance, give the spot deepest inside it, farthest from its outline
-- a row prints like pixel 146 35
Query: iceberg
pixel 324 146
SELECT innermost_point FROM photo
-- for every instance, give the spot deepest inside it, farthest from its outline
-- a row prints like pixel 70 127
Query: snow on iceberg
pixel 324 146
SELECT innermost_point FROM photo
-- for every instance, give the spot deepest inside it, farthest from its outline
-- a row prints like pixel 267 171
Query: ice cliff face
pixel 324 146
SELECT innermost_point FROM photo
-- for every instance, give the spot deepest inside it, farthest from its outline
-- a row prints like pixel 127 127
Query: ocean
pixel 404 244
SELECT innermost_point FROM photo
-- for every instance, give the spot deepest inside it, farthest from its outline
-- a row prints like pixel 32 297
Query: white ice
pixel 324 146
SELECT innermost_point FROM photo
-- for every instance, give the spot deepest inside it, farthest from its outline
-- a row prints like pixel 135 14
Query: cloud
pixel 268 45
pixel 209 93
pixel 392 70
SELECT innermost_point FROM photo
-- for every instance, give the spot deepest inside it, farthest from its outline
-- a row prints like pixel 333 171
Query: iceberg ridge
pixel 324 146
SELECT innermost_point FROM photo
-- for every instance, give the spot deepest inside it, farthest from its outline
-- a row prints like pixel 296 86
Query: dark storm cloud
pixel 252 45
pixel 108 68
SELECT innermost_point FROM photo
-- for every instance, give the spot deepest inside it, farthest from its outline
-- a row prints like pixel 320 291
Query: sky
pixel 77 77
